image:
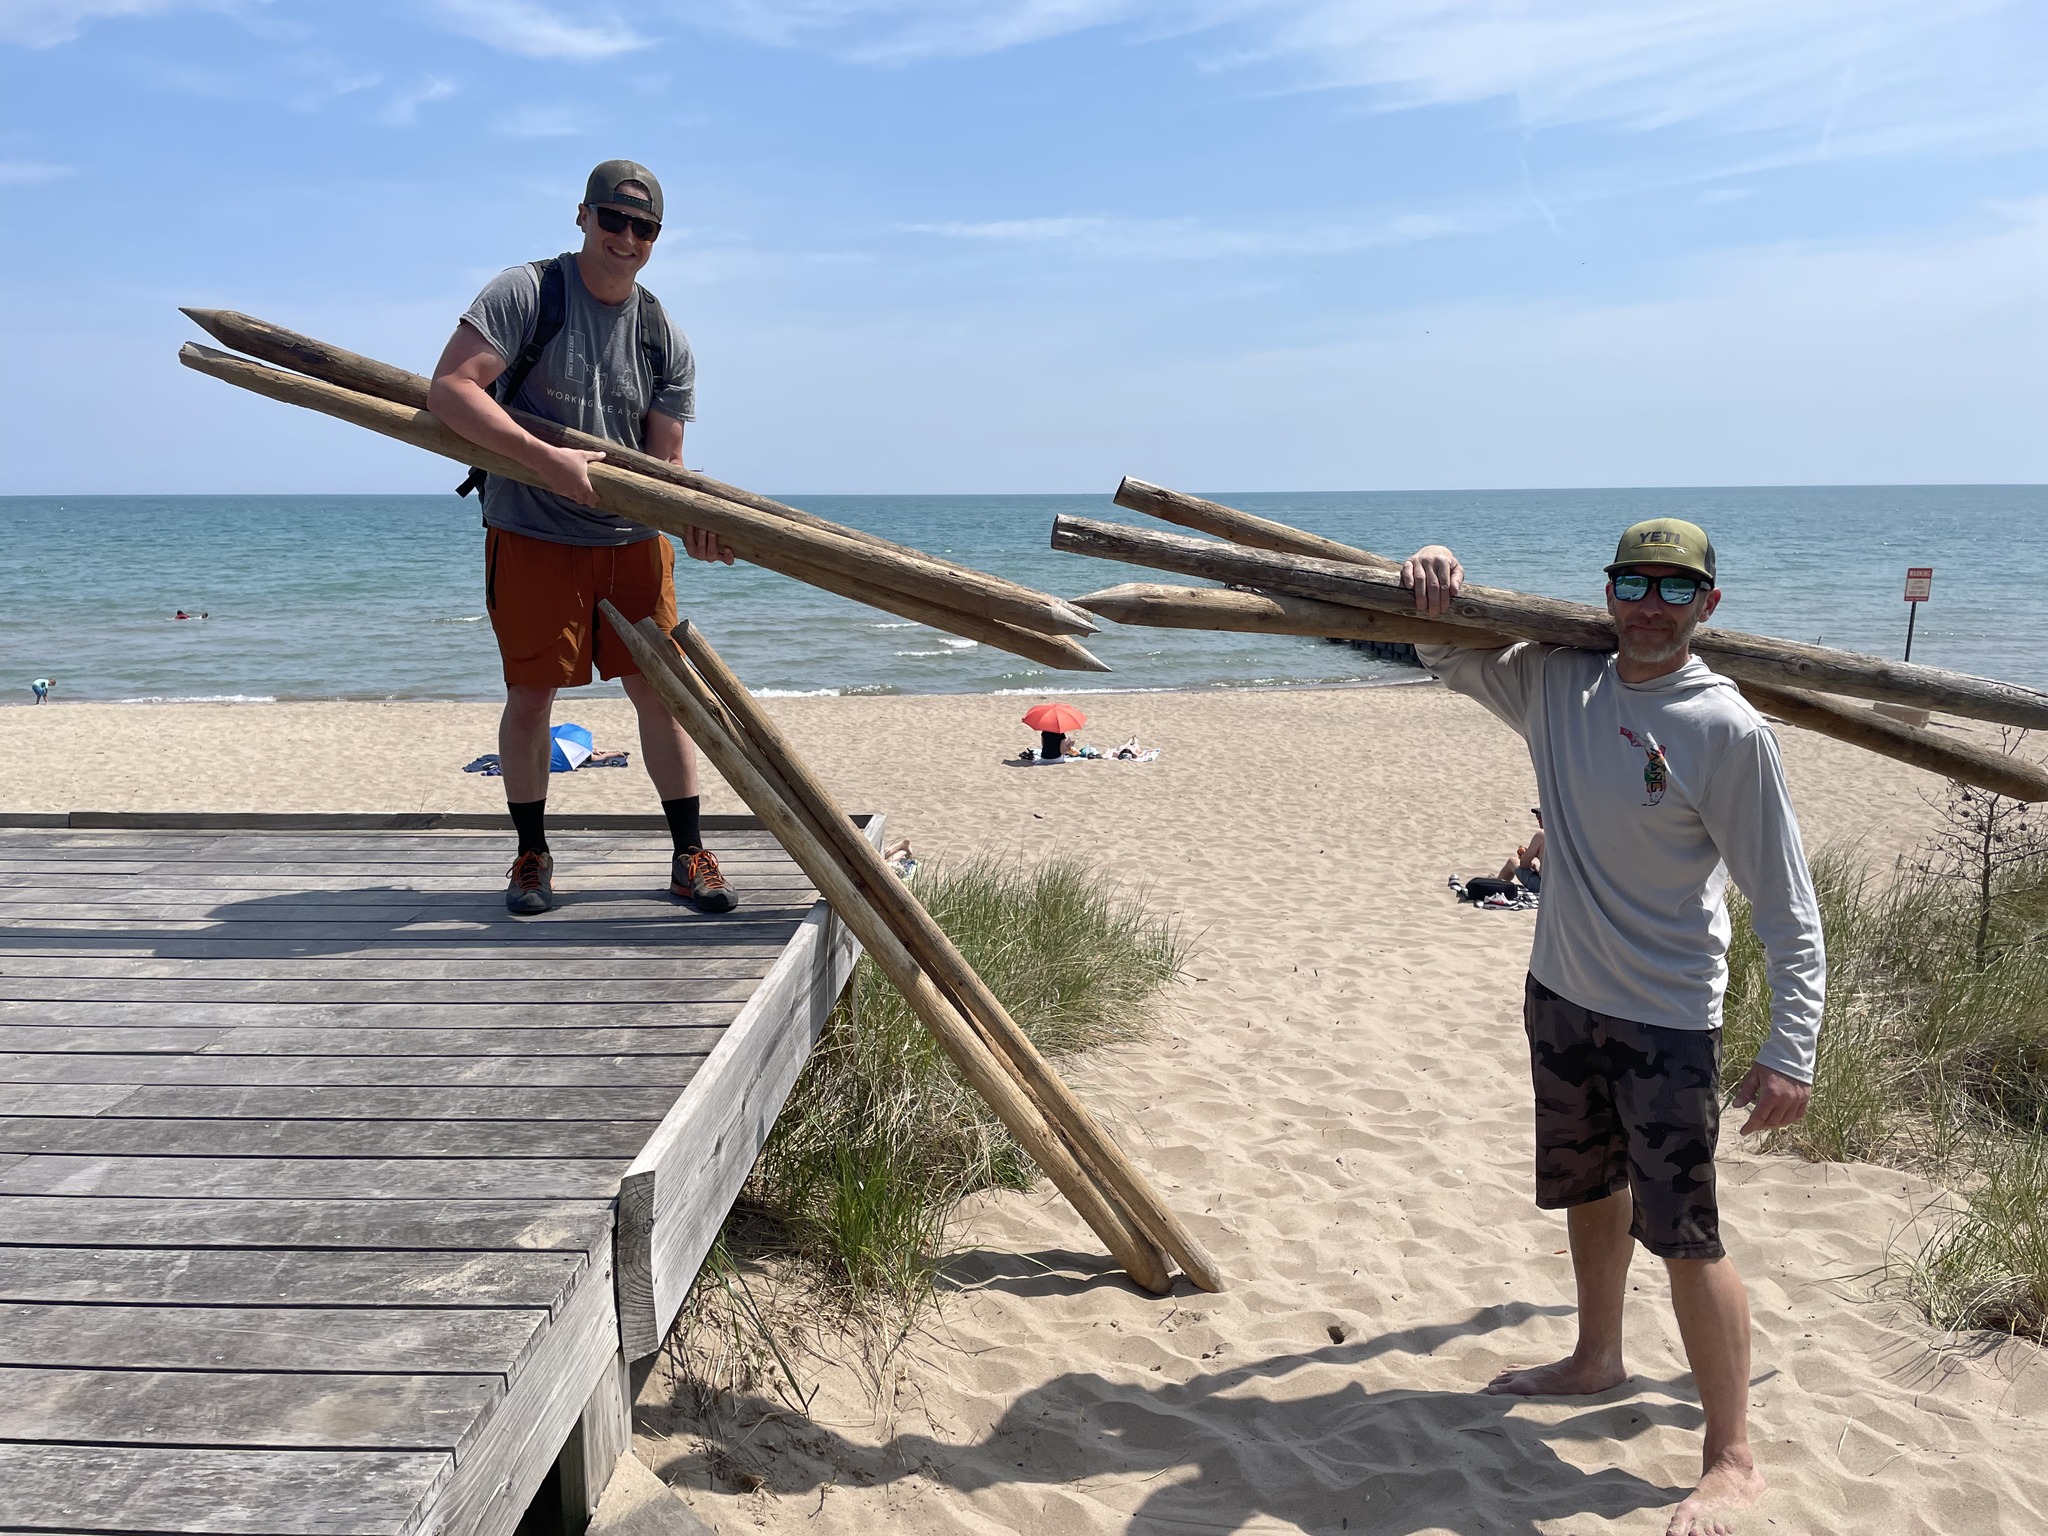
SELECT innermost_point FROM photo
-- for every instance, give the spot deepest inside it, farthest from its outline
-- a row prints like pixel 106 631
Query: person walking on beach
pixel 576 340
pixel 1661 782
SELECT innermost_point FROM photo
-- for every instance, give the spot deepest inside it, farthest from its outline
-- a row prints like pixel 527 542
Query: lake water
pixel 381 597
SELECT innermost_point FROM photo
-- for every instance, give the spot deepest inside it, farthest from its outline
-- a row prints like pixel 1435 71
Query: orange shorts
pixel 542 598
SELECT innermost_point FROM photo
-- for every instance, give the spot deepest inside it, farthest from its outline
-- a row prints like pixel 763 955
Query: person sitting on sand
pixel 611 363
pixel 1526 867
pixel 1668 784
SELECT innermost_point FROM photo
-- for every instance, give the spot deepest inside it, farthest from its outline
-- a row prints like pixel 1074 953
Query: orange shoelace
pixel 701 868
pixel 525 872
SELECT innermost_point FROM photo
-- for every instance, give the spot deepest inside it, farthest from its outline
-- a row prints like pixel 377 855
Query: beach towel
pixel 1494 895
pixel 569 754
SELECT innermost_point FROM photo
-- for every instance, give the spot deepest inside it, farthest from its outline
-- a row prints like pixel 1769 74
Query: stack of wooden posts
pixel 995 1056
pixel 848 561
pixel 1302 584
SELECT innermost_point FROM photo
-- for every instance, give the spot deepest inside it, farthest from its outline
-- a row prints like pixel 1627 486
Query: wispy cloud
pixel 403 109
pixel 535 32
pixel 1196 240
pixel 44 23
pixel 536 121
pixel 1857 76
pixel 27 173
pixel 894 31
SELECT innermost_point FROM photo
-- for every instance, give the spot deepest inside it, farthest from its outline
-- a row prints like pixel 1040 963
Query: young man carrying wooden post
pixel 576 340
pixel 1658 781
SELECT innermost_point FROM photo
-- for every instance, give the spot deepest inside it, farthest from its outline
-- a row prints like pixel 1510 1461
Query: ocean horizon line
pixel 1209 493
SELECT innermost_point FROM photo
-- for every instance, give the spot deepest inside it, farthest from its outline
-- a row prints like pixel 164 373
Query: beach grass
pixel 1934 1055
pixel 846 1212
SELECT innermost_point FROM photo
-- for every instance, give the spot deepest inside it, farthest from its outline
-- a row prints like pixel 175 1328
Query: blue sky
pixel 1031 245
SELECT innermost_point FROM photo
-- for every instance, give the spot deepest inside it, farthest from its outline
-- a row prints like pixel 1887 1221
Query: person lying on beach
pixel 577 340
pixel 1669 783
pixel 1526 867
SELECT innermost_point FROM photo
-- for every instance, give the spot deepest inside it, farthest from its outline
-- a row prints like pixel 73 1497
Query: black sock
pixel 529 820
pixel 682 823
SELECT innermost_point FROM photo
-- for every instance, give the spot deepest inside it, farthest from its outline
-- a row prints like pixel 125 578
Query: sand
pixel 1340 1108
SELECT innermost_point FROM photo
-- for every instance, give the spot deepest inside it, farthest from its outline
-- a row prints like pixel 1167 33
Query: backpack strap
pixel 547 325
pixel 654 339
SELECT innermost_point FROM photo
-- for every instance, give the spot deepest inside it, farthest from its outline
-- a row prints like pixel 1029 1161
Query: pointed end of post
pixel 1077 622
pixel 208 320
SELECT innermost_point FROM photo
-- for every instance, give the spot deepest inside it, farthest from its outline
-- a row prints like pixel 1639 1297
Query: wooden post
pixel 1162 606
pixel 1213 608
pixel 761 538
pixel 1061 651
pixel 1238 527
pixel 936 955
pixel 701 716
pixel 1757 658
pixel 319 360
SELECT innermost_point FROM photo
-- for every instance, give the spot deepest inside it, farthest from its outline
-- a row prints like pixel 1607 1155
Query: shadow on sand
pixel 1260 1444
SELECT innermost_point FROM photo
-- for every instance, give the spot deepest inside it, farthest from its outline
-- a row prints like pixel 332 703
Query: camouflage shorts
pixel 1627 1106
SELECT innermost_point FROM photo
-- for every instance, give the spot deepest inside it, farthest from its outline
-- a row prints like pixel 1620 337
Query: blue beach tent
pixel 571 749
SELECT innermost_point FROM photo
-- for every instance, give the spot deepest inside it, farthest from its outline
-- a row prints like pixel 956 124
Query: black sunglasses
pixel 613 222
pixel 1678 591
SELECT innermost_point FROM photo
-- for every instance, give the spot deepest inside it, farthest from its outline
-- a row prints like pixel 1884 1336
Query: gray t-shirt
pixel 1653 794
pixel 593 376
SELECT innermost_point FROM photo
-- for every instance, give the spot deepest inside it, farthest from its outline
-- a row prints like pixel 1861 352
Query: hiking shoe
pixel 694 878
pixel 531 890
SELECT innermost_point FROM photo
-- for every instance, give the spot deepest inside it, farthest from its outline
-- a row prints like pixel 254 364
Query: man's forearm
pixel 468 410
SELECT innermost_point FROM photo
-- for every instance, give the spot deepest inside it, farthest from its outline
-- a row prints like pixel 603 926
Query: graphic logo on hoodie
pixel 1656 771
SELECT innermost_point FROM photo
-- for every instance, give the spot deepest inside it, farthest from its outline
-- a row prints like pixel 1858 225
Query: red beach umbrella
pixel 1055 716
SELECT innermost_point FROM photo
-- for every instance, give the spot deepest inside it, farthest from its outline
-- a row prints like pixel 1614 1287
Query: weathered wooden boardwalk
pixel 333 1200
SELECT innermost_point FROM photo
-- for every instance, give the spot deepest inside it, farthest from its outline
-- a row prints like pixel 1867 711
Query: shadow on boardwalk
pixel 1238 1447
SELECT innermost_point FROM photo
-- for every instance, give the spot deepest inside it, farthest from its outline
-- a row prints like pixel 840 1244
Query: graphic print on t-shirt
pixel 1656 771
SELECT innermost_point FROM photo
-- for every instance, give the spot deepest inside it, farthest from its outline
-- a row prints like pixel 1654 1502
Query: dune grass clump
pixel 1934 1050
pixel 881 1138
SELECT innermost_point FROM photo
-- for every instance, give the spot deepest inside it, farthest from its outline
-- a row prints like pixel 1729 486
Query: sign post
pixel 1919 585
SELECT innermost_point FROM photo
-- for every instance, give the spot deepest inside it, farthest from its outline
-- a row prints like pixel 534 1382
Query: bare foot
pixel 1730 1484
pixel 1569 1377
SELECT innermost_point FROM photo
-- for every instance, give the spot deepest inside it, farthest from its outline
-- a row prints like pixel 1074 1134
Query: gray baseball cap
pixel 602 190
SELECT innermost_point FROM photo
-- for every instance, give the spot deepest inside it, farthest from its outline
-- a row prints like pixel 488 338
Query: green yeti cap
pixel 1666 541
pixel 602 190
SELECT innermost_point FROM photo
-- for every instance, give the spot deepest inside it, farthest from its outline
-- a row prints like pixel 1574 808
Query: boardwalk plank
pixel 537 989
pixel 159 1015
pixel 293 1102
pixel 400 1225
pixel 217 1493
pixel 251 1411
pixel 681 969
pixel 686 1032
pixel 127 1137
pixel 286 1277
pixel 278 1178
pixel 61 1098
pixel 222 1071
pixel 401 1340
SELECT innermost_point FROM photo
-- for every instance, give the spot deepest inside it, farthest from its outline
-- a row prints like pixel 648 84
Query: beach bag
pixel 571 748
pixel 1478 890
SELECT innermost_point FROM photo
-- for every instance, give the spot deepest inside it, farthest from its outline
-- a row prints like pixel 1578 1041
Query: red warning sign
pixel 1919 583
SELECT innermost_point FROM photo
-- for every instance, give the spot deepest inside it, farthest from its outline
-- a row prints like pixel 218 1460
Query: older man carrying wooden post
pixel 1658 781
pixel 576 340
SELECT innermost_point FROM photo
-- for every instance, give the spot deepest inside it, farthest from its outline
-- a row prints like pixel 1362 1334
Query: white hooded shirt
pixel 1653 795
